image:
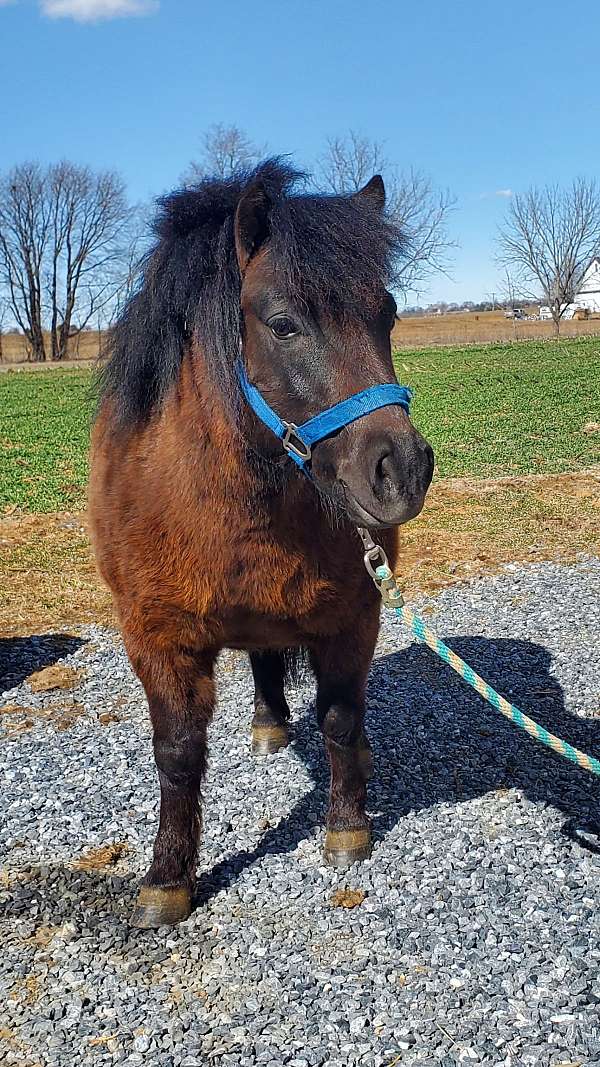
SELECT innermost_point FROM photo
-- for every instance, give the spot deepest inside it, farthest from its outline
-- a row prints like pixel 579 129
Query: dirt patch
pixel 27 990
pixel 70 714
pixel 470 526
pixel 48 579
pixel 108 717
pixel 15 719
pixel 58 676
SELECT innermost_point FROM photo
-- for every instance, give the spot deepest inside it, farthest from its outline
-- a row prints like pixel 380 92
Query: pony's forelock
pixel 332 253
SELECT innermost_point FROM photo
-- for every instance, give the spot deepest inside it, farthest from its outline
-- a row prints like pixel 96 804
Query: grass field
pixel 488 411
pixel 44 433
pixel 508 409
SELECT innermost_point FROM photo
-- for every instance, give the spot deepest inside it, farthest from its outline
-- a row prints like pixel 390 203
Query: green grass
pixel 44 436
pixel 488 411
pixel 504 409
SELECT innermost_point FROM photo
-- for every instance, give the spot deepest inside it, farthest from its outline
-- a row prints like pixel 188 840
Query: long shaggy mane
pixel 332 253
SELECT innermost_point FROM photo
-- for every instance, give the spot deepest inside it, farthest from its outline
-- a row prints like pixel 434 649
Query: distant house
pixel 587 296
pixel 589 290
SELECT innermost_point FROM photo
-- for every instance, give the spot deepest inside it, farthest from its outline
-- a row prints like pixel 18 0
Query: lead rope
pixel 379 570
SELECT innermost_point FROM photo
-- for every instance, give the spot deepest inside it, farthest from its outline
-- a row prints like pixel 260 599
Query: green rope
pixel 422 631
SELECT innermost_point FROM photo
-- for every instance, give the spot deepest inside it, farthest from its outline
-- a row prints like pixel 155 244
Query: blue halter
pixel 298 441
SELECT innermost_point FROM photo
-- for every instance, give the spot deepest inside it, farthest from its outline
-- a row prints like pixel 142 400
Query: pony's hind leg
pixel 271 712
pixel 341 666
pixel 179 686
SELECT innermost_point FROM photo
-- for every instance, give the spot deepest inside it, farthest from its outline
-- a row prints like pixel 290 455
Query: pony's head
pixel 316 323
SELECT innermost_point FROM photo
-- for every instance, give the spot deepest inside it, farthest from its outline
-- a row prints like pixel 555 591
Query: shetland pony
pixel 208 535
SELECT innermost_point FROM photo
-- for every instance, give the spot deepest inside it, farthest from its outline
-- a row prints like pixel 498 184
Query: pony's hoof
pixel 161 907
pixel 269 739
pixel 345 847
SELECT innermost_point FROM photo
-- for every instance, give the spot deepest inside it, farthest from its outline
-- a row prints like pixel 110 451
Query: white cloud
pixel 497 192
pixel 94 10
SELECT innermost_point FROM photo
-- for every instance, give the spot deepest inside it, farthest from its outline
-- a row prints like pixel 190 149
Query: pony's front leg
pixel 179 686
pixel 341 666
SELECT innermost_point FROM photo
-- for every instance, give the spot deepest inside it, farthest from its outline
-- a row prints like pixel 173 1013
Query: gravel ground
pixel 477 938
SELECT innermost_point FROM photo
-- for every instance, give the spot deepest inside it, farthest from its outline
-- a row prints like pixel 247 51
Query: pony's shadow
pixel 21 656
pixel 436 741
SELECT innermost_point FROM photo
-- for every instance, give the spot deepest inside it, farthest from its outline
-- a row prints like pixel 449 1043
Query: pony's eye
pixel 283 327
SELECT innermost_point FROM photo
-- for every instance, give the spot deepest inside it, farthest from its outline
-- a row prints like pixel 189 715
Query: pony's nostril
pixel 384 472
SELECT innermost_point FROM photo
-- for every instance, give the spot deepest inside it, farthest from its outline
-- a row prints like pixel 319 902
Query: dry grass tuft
pixel 101 858
pixel 104 1039
pixel 347 898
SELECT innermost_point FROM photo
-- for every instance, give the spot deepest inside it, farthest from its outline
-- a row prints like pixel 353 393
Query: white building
pixel 588 295
pixel 589 290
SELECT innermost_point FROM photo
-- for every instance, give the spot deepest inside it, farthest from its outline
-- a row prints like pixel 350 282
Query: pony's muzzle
pixel 385 482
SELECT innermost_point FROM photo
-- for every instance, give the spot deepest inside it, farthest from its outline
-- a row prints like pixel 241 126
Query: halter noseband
pixel 298 441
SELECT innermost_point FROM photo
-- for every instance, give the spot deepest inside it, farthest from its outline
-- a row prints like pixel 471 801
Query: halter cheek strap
pixel 298 441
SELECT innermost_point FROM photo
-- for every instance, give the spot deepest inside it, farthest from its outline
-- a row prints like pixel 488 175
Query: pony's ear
pixel 374 191
pixel 251 225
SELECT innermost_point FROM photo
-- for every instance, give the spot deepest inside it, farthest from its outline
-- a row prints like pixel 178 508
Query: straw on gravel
pixel 475 933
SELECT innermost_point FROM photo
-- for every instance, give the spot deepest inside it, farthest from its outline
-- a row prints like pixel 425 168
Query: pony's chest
pixel 274 599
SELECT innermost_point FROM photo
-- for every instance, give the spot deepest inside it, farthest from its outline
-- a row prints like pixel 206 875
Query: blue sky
pixel 483 97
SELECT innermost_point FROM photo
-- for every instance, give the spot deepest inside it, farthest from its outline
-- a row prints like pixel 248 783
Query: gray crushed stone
pixel 478 937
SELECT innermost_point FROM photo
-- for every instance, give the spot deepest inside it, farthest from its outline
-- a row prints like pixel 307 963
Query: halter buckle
pixel 292 442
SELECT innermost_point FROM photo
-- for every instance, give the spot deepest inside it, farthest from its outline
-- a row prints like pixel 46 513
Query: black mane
pixel 333 252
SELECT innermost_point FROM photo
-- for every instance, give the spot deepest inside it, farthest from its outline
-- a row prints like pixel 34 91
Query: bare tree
pixel 512 293
pixel 225 151
pixel 411 200
pixel 65 233
pixel 24 232
pixel 549 237
pixel 510 297
pixel 93 228
pixel 350 161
